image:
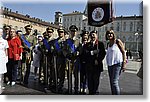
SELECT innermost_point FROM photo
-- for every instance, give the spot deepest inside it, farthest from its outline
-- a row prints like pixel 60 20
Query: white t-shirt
pixel 113 55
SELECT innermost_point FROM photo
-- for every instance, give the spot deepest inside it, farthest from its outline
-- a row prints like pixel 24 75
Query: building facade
pixel 58 18
pixel 19 21
pixel 74 18
pixel 129 28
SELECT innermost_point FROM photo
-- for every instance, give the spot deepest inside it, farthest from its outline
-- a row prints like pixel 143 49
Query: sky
pixel 45 10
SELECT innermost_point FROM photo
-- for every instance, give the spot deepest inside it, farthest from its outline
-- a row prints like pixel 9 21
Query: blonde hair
pixel 110 32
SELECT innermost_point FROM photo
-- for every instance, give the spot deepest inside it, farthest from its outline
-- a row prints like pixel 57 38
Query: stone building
pixel 58 18
pixel 128 28
pixel 18 21
pixel 74 18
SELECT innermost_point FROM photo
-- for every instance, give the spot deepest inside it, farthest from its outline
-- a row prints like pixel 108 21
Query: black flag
pixel 99 12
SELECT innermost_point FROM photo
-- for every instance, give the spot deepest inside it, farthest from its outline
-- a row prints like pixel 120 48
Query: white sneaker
pixel 3 87
pixel 13 83
pixel 8 82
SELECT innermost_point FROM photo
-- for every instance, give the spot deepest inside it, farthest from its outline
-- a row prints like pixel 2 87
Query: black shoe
pixel 60 90
pixel 91 93
pixel 76 92
pixel 25 83
pixel 97 93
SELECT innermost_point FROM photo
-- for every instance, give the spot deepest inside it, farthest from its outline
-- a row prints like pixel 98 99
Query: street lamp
pixel 137 44
pixel 136 34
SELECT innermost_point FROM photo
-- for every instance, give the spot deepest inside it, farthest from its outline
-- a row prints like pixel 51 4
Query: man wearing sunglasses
pixel 59 53
pixel 72 54
pixel 28 41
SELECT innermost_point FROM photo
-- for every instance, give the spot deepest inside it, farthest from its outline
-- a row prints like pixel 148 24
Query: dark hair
pixel 110 32
pixel 18 31
pixel 84 32
pixel 94 31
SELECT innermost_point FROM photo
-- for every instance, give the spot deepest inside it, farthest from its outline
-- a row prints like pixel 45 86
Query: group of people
pixel 68 55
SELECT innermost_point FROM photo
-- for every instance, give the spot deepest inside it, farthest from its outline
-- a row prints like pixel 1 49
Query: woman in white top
pixel 3 56
pixel 116 60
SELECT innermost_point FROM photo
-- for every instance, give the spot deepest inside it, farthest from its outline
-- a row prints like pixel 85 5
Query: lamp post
pixel 137 44
pixel 136 34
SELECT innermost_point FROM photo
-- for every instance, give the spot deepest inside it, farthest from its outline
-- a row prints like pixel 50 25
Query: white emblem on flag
pixel 98 14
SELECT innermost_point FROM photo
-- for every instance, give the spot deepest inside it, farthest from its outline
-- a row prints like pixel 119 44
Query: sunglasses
pixel 6 28
pixel 50 32
pixel 109 33
pixel 61 31
pixel 73 31
pixel 12 31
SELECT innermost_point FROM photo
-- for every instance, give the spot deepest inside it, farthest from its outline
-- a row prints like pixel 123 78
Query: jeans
pixel 12 70
pixel 114 73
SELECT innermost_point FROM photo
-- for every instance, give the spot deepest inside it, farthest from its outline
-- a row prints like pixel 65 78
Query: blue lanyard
pixel 57 45
pixel 71 45
pixel 45 42
pixel 25 41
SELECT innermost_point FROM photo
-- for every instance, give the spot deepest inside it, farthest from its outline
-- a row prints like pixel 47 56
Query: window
pixel 60 19
pixel 64 19
pixel 79 29
pixel 118 27
pixel 138 23
pixel 89 28
pixel 84 28
pixel 131 26
pixel 138 26
pixel 124 26
pixel 71 19
pixel 79 18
